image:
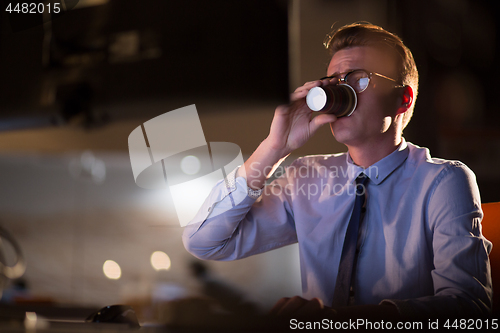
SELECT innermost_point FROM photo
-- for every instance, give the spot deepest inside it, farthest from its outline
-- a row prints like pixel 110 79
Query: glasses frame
pixel 370 74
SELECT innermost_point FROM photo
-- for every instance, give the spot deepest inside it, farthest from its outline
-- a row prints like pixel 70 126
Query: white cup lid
pixel 316 99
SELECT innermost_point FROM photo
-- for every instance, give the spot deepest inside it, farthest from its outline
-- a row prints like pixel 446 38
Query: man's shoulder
pixel 420 158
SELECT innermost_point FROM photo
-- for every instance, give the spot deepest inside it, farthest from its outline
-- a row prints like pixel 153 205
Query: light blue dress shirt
pixel 421 246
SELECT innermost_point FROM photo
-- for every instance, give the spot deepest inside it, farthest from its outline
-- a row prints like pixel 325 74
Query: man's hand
pixel 314 308
pixel 293 124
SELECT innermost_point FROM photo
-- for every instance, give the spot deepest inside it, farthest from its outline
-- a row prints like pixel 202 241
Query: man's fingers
pixel 310 308
pixel 316 83
pixel 304 89
pixel 309 85
pixel 298 95
pixel 291 306
pixel 329 81
pixel 297 306
pixel 320 120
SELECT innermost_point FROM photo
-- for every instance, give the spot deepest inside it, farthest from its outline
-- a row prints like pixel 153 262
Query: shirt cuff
pixel 231 185
pixel 254 194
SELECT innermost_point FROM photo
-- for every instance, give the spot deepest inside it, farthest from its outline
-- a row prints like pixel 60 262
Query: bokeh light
pixel 160 261
pixel 190 165
pixel 112 270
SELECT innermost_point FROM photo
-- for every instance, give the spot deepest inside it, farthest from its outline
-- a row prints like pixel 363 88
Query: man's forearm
pixel 261 165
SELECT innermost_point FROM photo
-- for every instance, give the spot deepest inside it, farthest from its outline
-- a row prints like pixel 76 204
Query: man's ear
pixel 406 100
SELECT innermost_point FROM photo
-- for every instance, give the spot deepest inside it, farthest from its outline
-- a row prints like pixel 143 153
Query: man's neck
pixel 371 152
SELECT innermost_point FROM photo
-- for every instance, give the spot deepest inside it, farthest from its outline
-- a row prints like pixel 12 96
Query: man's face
pixel 373 120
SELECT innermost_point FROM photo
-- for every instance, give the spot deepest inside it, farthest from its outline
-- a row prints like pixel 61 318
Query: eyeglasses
pixel 359 79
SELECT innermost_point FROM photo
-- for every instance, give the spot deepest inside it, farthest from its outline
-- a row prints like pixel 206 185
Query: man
pixel 417 248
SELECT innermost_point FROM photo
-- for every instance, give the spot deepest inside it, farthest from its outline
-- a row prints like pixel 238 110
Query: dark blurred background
pixel 122 52
pixel 73 88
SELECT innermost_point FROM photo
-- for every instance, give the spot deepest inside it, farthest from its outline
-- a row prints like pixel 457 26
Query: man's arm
pixel 225 228
pixel 237 225
pixel 462 277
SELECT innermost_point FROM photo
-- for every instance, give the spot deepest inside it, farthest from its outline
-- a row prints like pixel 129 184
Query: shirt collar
pixel 383 168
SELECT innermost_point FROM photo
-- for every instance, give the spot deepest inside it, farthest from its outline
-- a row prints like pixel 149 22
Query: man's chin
pixel 341 136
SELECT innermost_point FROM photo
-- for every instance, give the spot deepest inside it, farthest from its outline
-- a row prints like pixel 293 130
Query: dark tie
pixel 348 260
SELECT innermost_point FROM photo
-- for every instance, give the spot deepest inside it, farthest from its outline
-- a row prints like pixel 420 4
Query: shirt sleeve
pixel 461 275
pixel 233 224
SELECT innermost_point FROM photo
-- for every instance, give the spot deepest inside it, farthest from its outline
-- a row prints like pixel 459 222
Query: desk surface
pixel 54 319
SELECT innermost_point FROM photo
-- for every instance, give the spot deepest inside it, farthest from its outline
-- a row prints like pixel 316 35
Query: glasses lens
pixel 359 80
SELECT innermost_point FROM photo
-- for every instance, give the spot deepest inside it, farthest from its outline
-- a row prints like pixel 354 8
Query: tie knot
pixel 361 181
